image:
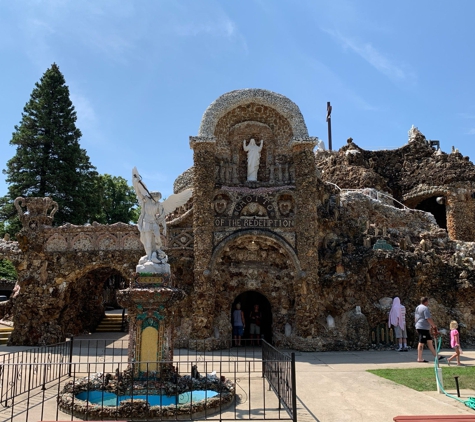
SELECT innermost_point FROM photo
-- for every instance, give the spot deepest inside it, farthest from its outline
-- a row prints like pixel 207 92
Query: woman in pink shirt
pixel 454 343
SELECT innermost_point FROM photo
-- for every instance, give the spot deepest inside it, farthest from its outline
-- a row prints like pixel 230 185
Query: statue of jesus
pixel 253 158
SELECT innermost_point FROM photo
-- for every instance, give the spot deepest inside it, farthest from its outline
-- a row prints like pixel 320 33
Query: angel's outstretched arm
pixel 137 184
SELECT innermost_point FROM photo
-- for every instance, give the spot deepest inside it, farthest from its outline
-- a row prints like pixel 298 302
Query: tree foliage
pixel 117 199
pixel 49 160
pixel 7 270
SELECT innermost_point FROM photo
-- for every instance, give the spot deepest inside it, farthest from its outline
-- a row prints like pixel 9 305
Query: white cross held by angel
pixel 152 215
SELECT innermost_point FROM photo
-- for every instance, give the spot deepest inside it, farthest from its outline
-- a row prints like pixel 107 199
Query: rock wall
pixel 323 240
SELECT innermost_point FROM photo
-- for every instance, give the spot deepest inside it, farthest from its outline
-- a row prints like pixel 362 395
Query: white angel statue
pixel 152 215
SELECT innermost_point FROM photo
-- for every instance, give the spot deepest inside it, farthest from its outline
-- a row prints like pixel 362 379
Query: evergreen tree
pixel 49 160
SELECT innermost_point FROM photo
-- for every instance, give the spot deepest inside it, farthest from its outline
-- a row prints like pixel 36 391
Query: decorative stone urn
pixel 39 211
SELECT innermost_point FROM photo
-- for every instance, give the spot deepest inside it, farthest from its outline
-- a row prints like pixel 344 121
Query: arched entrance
pixel 248 300
pixel 436 208
pixel 86 299
pixel 113 283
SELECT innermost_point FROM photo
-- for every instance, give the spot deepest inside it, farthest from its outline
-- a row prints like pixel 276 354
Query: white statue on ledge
pixel 253 158
pixel 152 216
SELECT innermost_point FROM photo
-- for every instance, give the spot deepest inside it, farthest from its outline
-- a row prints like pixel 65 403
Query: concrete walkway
pixel 335 387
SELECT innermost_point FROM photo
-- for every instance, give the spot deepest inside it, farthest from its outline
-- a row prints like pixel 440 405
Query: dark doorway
pixel 248 300
pixel 109 294
pixel 437 210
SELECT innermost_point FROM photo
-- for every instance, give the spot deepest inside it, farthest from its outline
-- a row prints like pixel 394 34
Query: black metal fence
pixel 29 369
pixel 279 370
pixel 263 381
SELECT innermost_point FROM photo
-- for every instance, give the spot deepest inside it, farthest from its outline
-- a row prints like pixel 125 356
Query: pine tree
pixel 49 160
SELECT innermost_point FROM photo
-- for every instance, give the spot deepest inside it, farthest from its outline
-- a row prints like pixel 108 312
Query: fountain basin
pixel 104 398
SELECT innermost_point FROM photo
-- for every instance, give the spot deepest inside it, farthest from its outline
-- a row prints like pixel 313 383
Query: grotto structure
pixel 321 240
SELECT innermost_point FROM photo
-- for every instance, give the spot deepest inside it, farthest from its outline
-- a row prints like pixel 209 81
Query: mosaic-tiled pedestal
pixel 148 301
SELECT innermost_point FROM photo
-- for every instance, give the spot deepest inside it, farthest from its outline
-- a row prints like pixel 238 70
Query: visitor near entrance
pixel 455 343
pixel 397 319
pixel 253 158
pixel 238 324
pixel 424 323
pixel 255 327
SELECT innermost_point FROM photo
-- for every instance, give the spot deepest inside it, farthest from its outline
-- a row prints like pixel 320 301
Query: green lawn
pixel 423 379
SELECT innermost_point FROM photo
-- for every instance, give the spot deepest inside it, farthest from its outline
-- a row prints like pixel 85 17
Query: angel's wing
pixel 139 186
pixel 177 200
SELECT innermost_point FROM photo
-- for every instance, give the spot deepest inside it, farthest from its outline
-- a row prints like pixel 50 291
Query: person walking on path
pixel 424 323
pixel 397 319
pixel 455 343
pixel 238 324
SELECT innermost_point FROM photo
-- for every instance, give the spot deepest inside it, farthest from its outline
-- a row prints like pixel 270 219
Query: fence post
pixel 71 343
pixel 263 359
pixel 294 387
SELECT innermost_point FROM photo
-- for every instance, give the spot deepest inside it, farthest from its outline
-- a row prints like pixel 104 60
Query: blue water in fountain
pixel 111 399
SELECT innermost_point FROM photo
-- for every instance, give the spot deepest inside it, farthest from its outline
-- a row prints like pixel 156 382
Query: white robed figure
pixel 152 216
pixel 253 158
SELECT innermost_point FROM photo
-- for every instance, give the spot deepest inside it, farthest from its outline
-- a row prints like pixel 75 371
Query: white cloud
pixel 117 31
pixel 224 28
pixel 471 132
pixel 394 71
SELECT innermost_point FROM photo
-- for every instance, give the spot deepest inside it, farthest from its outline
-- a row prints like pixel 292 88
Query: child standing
pixel 454 343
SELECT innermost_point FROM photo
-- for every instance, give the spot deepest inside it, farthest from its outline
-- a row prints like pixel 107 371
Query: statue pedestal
pixel 148 301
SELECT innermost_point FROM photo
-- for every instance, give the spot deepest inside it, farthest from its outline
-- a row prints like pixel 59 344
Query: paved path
pixel 335 387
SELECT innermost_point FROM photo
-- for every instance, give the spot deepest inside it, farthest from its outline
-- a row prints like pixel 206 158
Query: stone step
pixel 5 334
pixel 110 323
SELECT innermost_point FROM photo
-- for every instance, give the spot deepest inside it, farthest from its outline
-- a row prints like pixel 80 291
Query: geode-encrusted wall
pixel 410 174
pixel 61 275
pixel 325 240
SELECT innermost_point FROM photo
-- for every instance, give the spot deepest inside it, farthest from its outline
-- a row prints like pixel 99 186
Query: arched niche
pixel 243 97
pixel 431 200
pixel 245 238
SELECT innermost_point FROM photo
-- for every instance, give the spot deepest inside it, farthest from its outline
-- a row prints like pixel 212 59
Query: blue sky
pixel 142 73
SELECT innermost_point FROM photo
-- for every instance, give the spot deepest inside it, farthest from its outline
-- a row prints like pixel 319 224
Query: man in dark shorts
pixel 255 318
pixel 424 323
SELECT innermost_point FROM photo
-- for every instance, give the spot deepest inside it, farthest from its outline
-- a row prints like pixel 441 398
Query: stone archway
pixel 436 206
pixel 247 300
pixel 233 99
pixel 85 300
pixel 260 262
pixel 431 199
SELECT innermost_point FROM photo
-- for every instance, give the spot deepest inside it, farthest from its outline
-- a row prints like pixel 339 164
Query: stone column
pixel 460 214
pixel 149 300
pixel 306 231
pixel 203 191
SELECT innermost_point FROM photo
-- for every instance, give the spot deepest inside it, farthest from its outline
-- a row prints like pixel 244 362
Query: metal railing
pixel 263 380
pixel 373 194
pixel 279 370
pixel 43 364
